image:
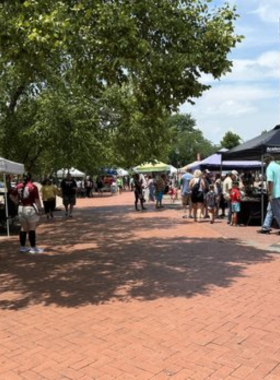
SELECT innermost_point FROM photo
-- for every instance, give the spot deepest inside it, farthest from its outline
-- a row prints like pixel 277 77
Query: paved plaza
pixel 120 294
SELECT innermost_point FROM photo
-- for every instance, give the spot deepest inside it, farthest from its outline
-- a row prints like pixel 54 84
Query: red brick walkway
pixel 126 295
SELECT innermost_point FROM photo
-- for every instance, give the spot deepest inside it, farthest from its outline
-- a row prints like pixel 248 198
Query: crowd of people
pixel 204 195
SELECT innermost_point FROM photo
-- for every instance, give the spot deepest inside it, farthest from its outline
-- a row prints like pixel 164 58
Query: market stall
pixel 254 149
pixel 9 167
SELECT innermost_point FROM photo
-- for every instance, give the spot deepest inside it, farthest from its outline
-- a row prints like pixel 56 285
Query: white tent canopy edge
pixel 9 167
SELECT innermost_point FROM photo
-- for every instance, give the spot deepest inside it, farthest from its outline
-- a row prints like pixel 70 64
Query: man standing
pixel 69 189
pixel 26 196
pixel 186 192
pixel 227 186
pixel 273 185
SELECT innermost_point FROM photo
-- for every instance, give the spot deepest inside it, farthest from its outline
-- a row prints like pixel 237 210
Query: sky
pixel 245 101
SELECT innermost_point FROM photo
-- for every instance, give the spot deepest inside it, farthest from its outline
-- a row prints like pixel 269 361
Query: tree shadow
pixel 94 260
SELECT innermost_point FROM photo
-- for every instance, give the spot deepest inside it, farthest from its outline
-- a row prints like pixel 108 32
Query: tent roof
pixel 267 142
pixel 215 161
pixel 10 167
pixel 74 172
pixel 150 167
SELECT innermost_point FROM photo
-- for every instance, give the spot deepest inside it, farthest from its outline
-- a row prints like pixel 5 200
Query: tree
pixel 187 141
pixel 230 140
pixel 149 53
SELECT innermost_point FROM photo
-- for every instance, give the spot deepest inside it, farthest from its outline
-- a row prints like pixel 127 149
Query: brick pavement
pixel 148 295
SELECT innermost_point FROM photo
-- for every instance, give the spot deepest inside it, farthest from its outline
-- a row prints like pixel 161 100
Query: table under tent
pixel 9 167
pixel 254 149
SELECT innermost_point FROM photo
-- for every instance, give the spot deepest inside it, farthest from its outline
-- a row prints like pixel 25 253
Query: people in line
pixel 26 196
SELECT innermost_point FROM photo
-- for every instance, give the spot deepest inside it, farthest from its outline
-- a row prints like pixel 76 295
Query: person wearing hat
pixel 26 196
pixel 273 185
pixel 227 186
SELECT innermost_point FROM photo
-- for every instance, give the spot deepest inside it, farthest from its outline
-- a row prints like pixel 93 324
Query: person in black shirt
pixel 138 192
pixel 69 190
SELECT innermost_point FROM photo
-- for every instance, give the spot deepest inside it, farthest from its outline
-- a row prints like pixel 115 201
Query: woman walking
pixel 197 187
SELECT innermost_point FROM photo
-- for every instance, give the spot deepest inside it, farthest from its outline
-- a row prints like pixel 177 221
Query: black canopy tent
pixel 254 149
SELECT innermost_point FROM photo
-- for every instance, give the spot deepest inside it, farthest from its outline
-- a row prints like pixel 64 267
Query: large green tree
pixel 187 141
pixel 132 62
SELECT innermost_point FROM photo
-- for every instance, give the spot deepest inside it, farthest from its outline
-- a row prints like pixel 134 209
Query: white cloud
pixel 262 68
pixel 226 107
pixel 268 10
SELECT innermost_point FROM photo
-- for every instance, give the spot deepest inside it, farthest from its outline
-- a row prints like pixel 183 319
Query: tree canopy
pixel 92 82
pixel 188 141
pixel 230 140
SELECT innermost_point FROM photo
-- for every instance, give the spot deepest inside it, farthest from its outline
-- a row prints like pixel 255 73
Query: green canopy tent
pixel 151 168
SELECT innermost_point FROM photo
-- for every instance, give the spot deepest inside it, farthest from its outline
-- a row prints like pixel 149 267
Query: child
pixel 211 203
pixel 235 197
pixel 173 193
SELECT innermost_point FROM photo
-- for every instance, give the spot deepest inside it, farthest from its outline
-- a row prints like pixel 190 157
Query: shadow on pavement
pixel 98 257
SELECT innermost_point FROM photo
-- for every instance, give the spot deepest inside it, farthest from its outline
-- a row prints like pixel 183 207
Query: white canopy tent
pixel 173 170
pixel 74 173
pixel 9 167
pixel 122 172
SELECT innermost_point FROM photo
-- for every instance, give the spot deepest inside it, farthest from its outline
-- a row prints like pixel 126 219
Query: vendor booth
pixel 254 149
pixel 9 167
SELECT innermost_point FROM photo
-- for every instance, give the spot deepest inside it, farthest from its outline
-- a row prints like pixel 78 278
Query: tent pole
pixel 6 204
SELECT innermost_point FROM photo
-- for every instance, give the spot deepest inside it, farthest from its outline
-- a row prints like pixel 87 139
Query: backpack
pixel 196 193
pixel 195 188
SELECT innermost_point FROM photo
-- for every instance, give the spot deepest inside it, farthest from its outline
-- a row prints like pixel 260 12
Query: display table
pixel 251 210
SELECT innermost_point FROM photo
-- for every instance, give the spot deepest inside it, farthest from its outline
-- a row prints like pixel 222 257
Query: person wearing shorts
pixel 26 196
pixel 186 192
pixel 69 189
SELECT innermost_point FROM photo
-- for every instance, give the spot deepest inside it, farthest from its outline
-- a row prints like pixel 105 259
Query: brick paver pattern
pixel 148 295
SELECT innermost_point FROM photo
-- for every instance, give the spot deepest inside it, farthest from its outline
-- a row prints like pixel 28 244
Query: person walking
pixel 138 192
pixel 49 192
pixel 151 187
pixel 273 185
pixel 69 190
pixel 266 227
pixel 26 196
pixel 197 187
pixel 160 186
pixel 186 192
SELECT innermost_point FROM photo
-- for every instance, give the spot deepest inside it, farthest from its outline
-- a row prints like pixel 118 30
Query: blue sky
pixel 245 101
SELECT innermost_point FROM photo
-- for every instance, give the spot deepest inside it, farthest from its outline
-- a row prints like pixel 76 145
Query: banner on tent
pixel 273 149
